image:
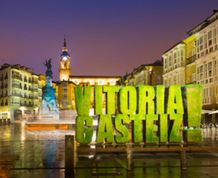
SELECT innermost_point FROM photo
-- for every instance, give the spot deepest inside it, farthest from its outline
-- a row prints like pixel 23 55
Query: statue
pixel 48 109
pixel 48 65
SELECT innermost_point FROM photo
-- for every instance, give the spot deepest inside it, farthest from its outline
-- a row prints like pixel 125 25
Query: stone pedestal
pixel 48 109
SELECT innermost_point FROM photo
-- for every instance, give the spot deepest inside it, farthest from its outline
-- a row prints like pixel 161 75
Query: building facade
pixel 200 66
pixel 147 74
pixel 21 92
pixel 179 66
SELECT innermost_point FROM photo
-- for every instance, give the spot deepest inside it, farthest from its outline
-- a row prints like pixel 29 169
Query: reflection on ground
pixel 42 153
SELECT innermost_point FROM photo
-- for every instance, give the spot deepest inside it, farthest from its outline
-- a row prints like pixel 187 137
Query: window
pixel 205 40
pixel 210 38
pixel 193 77
pixel 201 72
pixel 201 43
pixel 175 58
pixel 169 60
pixel 209 69
pixel 165 60
pixel 158 79
pixel 214 36
pixel 205 67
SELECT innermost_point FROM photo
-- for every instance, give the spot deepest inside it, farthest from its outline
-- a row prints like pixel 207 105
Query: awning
pixel 203 111
pixel 214 112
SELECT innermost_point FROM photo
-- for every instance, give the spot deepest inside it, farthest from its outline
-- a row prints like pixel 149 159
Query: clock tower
pixel 65 69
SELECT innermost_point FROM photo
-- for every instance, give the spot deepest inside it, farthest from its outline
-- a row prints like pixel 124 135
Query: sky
pixel 104 37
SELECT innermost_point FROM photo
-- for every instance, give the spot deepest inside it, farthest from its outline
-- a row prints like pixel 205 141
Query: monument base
pixel 47 117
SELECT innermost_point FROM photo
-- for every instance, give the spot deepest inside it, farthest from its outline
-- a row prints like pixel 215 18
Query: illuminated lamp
pixel 64 58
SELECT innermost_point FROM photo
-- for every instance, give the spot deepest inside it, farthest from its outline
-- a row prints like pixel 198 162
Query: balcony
pixel 190 59
pixel 6 85
pixel 25 80
pixel 6 104
pixel 16 76
pixel 15 103
pixel 194 82
pixel 16 94
pixel 30 81
pixel 2 104
pixel 35 90
pixel 35 82
pixel 6 77
pixel 16 85
pixel 25 88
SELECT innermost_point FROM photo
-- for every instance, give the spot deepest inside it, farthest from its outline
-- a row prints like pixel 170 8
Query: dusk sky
pixel 104 37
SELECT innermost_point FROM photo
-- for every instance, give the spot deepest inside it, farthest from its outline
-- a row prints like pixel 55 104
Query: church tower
pixel 65 69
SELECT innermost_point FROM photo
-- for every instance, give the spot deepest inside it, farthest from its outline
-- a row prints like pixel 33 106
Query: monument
pixel 48 109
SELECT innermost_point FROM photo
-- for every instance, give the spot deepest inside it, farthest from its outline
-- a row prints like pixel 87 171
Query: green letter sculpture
pixel 121 128
pixel 82 100
pixel 175 100
pixel 111 98
pixel 150 128
pixel 174 134
pixel 193 102
pixel 137 126
pixel 98 100
pixel 105 129
pixel 145 98
pixel 81 130
pixel 128 101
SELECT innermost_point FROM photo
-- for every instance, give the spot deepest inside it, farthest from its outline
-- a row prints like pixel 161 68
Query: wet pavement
pixel 41 154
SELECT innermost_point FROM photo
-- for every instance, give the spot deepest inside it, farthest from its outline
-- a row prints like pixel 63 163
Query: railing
pixel 16 85
pixel 34 82
pixel 190 59
pixel 25 88
pixel 16 76
pixel 15 103
pixel 194 82
pixel 16 94
pixel 35 90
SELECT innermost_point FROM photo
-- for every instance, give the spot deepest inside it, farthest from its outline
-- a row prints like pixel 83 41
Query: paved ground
pixel 41 154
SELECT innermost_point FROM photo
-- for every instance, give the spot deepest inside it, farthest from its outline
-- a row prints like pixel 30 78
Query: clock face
pixel 64 58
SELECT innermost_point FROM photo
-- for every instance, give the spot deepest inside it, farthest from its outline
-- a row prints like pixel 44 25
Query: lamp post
pixel 151 73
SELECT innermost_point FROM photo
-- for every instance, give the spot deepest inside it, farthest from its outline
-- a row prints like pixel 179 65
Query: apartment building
pixel 147 74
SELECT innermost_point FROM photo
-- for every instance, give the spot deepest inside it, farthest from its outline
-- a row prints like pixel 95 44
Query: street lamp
pixel 151 73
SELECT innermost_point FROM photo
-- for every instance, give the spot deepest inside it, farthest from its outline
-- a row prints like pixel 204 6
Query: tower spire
pixel 65 44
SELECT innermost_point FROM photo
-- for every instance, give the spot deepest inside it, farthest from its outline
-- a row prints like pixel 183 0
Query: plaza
pixel 41 153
